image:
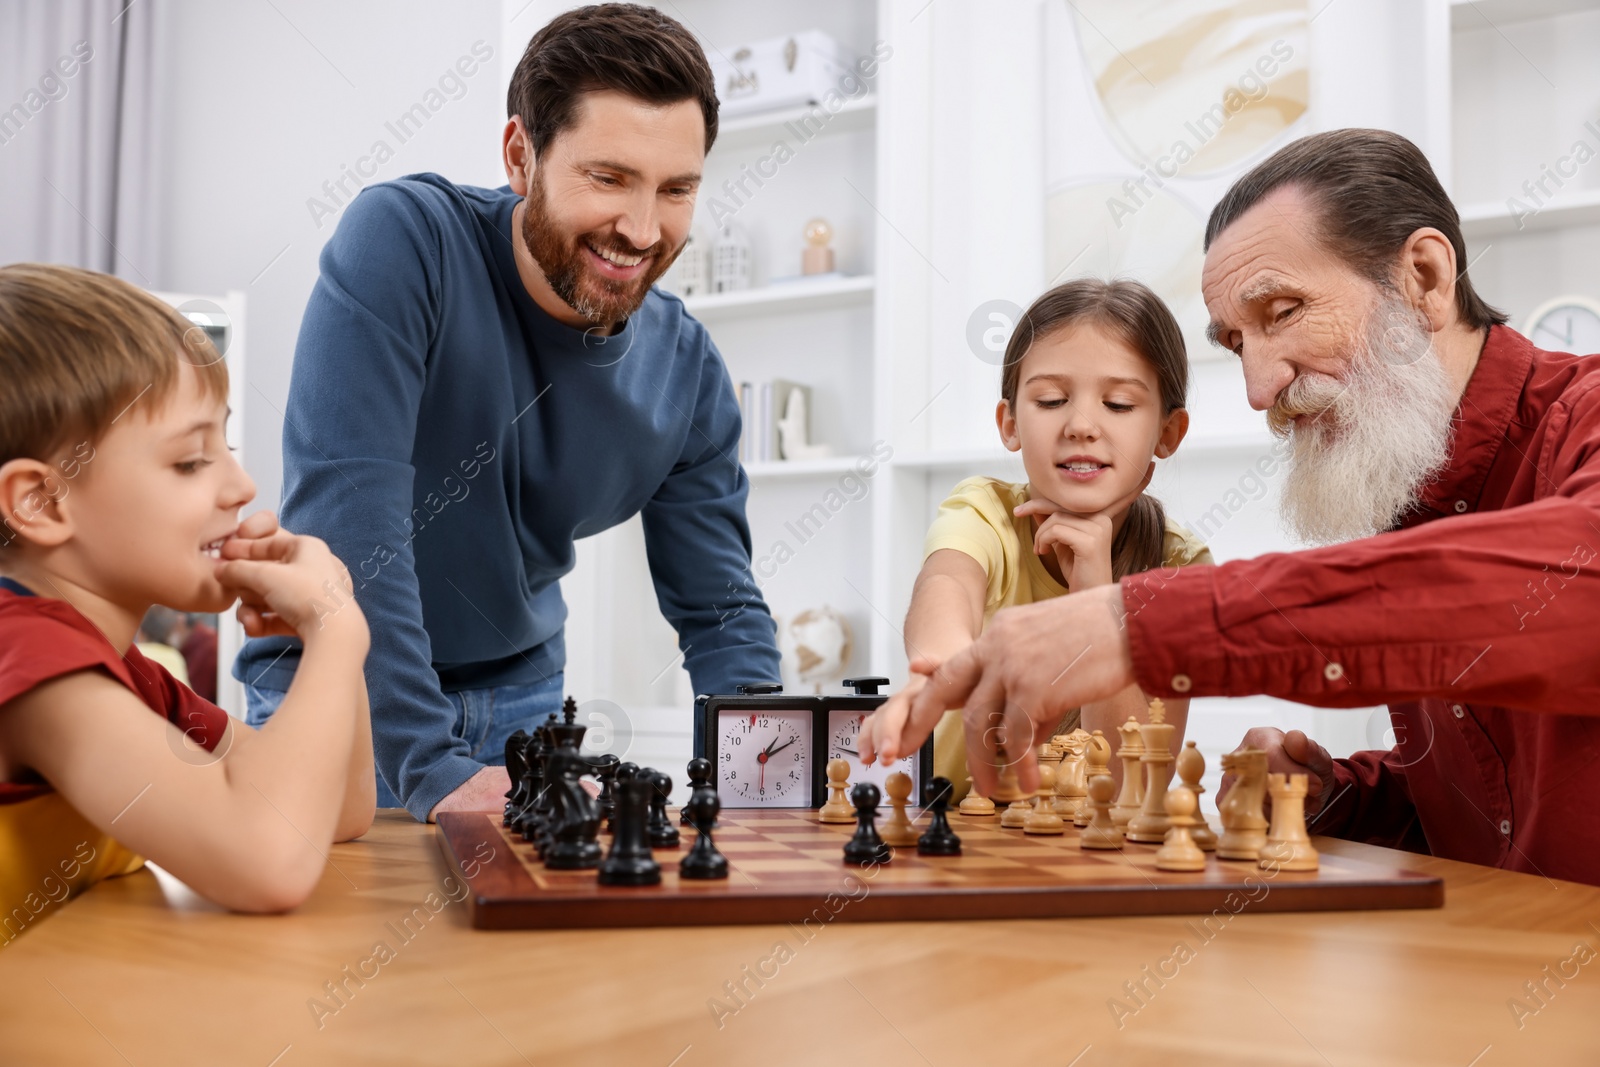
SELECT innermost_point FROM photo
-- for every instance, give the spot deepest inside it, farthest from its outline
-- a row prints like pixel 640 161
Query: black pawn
pixel 699 777
pixel 629 862
pixel 607 773
pixel 660 830
pixel 624 772
pixel 703 862
pixel 939 840
pixel 866 847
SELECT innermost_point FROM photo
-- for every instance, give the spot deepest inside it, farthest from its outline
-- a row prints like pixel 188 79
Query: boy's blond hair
pixel 77 347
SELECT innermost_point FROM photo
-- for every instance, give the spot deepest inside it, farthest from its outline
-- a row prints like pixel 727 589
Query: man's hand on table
pixel 1290 753
pixel 1031 665
pixel 484 791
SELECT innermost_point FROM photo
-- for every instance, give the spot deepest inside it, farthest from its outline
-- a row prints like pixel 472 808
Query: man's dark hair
pixel 1371 190
pixel 626 47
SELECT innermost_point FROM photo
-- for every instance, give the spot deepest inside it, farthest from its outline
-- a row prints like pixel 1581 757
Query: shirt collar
pixel 1481 421
pixel 15 586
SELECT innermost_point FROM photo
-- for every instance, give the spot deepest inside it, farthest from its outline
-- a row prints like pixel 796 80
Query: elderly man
pixel 1460 466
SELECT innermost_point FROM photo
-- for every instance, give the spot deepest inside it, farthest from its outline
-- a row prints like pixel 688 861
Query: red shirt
pixel 1477 621
pixel 42 639
pixel 200 656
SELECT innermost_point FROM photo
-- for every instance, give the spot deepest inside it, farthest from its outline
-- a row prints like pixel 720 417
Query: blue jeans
pixel 484 718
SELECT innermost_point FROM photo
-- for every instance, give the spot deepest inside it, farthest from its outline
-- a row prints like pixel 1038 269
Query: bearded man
pixel 484 375
pixel 1452 468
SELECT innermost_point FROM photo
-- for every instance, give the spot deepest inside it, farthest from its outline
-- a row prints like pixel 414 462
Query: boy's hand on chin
pixel 288 585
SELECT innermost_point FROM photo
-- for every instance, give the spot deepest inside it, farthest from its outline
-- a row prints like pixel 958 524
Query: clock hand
pixel 774 751
pixel 852 751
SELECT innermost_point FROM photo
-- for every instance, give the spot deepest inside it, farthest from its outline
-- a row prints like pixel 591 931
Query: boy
pixel 118 491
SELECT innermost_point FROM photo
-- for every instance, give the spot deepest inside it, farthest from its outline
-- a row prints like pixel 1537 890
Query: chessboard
pixel 788 867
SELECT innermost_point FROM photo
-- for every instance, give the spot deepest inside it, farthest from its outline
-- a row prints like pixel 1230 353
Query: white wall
pixel 265 103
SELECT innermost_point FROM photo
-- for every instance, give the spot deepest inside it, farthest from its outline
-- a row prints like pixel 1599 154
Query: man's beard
pixel 1384 431
pixel 563 259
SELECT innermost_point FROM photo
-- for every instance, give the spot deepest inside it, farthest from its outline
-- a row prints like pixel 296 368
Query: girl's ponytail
pixel 1140 544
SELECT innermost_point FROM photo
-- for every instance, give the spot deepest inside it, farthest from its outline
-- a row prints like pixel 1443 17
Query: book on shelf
pixel 761 408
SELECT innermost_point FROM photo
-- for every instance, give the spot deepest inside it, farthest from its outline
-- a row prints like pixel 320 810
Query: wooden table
pixel 139 971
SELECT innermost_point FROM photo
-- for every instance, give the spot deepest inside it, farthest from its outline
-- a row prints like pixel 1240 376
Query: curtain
pixel 79 134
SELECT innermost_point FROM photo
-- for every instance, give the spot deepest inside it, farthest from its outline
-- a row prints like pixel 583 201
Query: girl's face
pixel 1087 419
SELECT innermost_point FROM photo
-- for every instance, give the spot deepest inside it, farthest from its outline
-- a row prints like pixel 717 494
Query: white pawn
pixel 1179 852
pixel 1042 819
pixel 898 830
pixel 1101 832
pixel 838 807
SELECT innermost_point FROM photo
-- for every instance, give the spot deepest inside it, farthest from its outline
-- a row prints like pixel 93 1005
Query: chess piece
pixel 1179 852
pixel 1244 825
pixel 623 772
pixel 1191 768
pixel 1150 825
pixel 1288 846
pixel 516 770
pixel 568 808
pixel 1042 818
pixel 898 830
pixel 837 808
pixel 1016 812
pixel 939 840
pixel 1075 790
pixel 629 862
pixel 1101 832
pixel 1132 796
pixel 703 862
pixel 975 804
pixel 699 777
pixel 571 842
pixel 1006 788
pixel 659 828
pixel 865 847
pixel 1096 761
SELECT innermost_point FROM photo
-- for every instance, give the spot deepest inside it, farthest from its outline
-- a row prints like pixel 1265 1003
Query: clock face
pixel 1567 325
pixel 844 729
pixel 764 758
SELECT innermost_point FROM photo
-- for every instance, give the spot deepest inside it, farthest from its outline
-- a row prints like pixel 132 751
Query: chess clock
pixel 1566 324
pixel 771 749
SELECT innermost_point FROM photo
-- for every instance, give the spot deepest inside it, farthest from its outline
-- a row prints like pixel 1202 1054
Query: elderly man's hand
pixel 1015 682
pixel 1290 753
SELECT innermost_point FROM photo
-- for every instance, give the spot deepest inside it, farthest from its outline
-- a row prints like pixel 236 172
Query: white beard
pixel 1384 431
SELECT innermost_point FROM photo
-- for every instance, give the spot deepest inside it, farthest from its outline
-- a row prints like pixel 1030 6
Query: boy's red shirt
pixel 42 639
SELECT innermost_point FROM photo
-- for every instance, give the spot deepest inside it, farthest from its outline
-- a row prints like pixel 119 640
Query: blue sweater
pixel 448 440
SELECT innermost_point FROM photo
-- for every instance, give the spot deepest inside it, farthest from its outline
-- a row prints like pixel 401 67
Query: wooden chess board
pixel 787 867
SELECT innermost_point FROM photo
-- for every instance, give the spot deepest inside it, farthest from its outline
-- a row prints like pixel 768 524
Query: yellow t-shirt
pixel 976 519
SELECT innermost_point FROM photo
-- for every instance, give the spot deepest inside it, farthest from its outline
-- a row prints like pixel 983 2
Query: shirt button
pixel 1333 672
pixel 1461 505
pixel 1181 683
pixel 1505 827
pixel 1458 709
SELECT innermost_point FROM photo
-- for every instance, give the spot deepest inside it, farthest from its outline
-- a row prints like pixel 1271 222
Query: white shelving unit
pixel 1524 93
pixel 802 294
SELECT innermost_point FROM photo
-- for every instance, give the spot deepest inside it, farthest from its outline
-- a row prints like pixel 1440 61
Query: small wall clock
pixel 1566 324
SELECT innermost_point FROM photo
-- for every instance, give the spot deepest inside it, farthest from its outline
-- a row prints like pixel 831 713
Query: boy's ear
pixel 1172 433
pixel 30 504
pixel 1006 420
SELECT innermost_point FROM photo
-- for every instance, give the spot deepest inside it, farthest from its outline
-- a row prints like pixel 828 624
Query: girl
pixel 1092 393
